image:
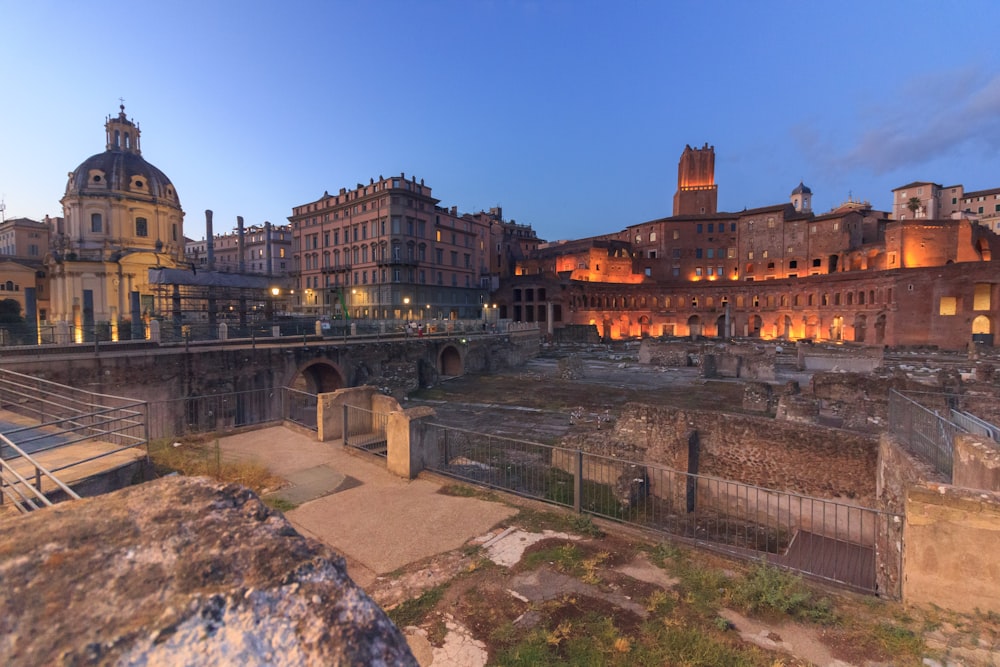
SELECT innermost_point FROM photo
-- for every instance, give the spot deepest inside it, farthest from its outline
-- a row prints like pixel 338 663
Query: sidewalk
pixel 377 521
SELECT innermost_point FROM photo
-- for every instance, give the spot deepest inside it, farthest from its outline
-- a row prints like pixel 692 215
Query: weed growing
pixel 768 590
pixel 205 459
pixel 412 612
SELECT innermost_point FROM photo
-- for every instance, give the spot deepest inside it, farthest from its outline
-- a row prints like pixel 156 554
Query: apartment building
pixel 388 251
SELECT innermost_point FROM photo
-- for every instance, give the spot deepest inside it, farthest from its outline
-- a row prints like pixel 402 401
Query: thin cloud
pixel 936 117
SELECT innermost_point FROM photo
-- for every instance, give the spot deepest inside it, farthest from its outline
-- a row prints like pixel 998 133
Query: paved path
pixel 377 521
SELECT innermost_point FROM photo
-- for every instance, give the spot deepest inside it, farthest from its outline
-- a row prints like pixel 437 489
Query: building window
pixel 948 305
pixel 698 228
pixel 981 298
pixel 96 224
pixel 141 227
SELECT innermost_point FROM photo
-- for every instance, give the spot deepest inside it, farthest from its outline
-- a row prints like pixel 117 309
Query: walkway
pixel 377 521
pixel 71 463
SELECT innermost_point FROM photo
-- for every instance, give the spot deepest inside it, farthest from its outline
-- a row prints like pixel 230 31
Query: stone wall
pixel 852 359
pixel 952 542
pixel 577 333
pixel 161 374
pixel 786 456
pixel 898 470
pixel 976 463
pixel 669 353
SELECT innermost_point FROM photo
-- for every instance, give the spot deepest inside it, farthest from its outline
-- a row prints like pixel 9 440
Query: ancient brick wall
pixel 952 539
pixel 780 455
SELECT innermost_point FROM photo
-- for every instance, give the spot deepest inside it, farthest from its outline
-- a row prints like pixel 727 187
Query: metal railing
pixel 299 407
pixel 365 429
pixel 824 539
pixel 219 413
pixel 27 494
pixel 44 416
pixel 925 430
pixel 103 336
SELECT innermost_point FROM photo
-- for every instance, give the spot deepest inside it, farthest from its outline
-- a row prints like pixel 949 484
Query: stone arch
pixel 644 326
pixel 694 326
pixel 880 329
pixel 720 326
pixel 983 246
pixel 319 376
pixel 837 328
pixel 860 324
pixel 450 361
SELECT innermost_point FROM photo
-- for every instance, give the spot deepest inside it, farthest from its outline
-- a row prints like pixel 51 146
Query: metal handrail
pixel 36 491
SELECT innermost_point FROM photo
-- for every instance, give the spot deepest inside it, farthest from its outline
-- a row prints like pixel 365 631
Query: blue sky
pixel 570 115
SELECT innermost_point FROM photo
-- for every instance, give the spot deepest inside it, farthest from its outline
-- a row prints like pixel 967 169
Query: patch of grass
pixel 564 557
pixel 584 525
pixel 280 504
pixel 766 589
pixel 205 459
pixel 594 640
pixel 460 491
pixel 412 612
pixel 898 641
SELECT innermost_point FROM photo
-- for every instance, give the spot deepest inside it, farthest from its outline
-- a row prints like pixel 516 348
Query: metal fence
pixel 925 430
pixel 828 540
pixel 41 416
pixel 299 407
pixel 218 413
pixel 365 429
pixel 22 338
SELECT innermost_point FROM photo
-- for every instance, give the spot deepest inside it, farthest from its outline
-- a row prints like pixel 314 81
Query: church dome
pixel 121 169
pixel 802 189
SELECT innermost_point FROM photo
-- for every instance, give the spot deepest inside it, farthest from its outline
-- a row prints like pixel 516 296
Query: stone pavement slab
pixel 381 523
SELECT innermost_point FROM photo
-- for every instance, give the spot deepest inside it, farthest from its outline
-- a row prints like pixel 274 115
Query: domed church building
pixel 122 217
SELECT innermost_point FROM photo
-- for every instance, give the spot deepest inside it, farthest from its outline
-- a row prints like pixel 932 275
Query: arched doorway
pixel 318 377
pixel 694 326
pixel 644 326
pixel 450 361
pixel 787 328
pixel 860 324
pixel 982 330
pixel 837 328
pixel 720 327
pixel 880 329
pixel 755 324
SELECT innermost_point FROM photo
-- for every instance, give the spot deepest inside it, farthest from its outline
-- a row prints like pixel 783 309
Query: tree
pixel 12 325
pixel 10 312
pixel 914 205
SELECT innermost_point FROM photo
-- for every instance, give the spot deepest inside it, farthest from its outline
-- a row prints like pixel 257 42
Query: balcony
pixel 340 268
pixel 397 261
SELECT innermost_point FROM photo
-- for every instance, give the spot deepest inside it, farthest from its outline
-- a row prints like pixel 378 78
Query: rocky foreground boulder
pixel 181 571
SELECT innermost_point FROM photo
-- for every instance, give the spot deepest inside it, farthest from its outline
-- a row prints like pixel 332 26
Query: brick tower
pixel 697 192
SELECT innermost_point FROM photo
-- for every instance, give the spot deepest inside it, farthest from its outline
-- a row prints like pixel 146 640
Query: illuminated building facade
pixel 781 272
pixel 122 216
pixel 387 251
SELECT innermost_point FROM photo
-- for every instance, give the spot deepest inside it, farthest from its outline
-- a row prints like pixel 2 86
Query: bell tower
pixel 123 134
pixel 697 193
